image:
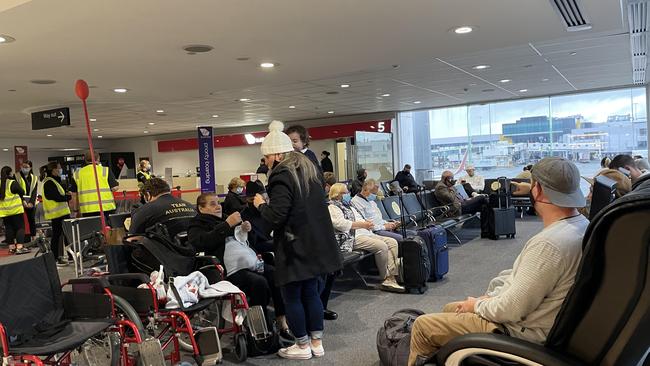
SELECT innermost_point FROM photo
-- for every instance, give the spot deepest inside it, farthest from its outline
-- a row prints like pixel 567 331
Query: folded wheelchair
pixel 183 329
pixel 40 324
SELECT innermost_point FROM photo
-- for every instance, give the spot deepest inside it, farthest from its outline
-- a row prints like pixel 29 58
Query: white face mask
pixel 239 190
pixel 25 170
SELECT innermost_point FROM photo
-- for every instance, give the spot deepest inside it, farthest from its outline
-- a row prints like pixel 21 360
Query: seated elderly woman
pixel 353 232
pixel 226 239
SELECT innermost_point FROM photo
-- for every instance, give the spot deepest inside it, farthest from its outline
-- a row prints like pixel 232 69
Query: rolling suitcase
pixel 498 221
pixel 435 238
pixel 415 264
pixel 501 196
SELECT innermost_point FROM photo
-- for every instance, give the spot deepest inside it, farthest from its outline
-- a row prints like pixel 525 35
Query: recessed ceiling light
pixel 345 85
pixel 243 58
pixel 260 120
pixel 6 39
pixel 331 112
pixel 145 131
pixel 93 120
pixel 160 111
pixel 481 67
pixel 120 90
pixel 523 90
pixel 100 136
pixel 12 90
pixel 42 81
pixel 48 135
pixel 96 129
pixel 267 65
pixel 573 53
pixel 545 80
pixel 292 107
pixel 417 102
pixel 215 116
pixel 244 100
pixel 197 48
pixel 505 81
pixel 463 30
pixel 151 123
pixel 5 149
pixel 385 95
pixel 472 84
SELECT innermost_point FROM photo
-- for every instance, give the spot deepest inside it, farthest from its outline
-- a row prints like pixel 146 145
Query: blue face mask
pixel 372 197
pixel 346 198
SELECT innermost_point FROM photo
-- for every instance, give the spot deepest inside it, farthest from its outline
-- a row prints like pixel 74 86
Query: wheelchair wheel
pixel 101 350
pixel 241 347
pixel 210 317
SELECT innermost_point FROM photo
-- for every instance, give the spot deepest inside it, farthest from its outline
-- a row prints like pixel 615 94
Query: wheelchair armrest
pixel 502 346
pixel 141 277
pixel 87 284
pixel 207 265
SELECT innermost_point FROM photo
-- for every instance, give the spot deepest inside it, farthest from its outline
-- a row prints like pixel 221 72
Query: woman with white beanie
pixel 303 238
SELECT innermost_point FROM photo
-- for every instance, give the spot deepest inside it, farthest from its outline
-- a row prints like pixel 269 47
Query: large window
pixel 499 139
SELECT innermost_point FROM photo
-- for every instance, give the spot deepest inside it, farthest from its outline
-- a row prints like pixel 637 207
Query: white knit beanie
pixel 276 141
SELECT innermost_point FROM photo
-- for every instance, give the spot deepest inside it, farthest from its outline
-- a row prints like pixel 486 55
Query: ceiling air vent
pixel 572 14
pixel 637 19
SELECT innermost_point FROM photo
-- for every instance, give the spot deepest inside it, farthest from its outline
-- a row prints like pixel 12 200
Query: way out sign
pixel 51 118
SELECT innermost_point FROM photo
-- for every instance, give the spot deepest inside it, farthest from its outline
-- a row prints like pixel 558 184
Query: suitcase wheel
pixel 421 290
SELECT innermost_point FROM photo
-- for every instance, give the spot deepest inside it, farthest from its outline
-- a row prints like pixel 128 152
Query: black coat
pixel 303 235
pixel 233 203
pixel 327 165
pixel 208 233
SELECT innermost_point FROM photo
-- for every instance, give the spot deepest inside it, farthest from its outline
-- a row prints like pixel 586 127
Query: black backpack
pixel 394 338
pixel 156 248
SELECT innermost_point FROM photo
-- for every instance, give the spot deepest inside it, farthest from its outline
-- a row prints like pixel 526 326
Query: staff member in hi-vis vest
pixel 84 190
pixel 28 183
pixel 11 211
pixel 55 205
pixel 144 174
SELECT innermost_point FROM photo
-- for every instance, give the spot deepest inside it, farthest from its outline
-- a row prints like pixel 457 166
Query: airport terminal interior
pixel 342 182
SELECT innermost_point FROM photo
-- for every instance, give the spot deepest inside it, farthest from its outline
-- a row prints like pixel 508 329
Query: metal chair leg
pixel 449 231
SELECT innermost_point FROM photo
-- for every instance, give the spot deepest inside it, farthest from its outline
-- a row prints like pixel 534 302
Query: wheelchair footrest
pixel 207 339
pixel 150 352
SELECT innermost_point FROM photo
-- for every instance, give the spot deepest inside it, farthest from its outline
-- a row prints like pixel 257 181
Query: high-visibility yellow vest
pixel 86 189
pixel 147 176
pixel 12 204
pixel 23 185
pixel 54 209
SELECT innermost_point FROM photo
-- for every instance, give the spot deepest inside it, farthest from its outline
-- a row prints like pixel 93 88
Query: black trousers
pixel 327 289
pixel 259 288
pixel 57 236
pixel 14 229
pixel 473 205
pixel 95 214
pixel 31 219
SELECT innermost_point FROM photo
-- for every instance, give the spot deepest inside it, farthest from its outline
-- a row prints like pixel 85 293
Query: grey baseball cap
pixel 560 180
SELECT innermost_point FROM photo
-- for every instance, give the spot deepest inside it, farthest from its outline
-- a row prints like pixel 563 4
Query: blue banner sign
pixel 206 159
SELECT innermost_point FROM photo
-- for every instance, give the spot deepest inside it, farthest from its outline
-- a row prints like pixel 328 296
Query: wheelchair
pixel 40 324
pixel 178 329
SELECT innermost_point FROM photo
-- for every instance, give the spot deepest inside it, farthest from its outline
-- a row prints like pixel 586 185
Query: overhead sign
pixel 206 159
pixel 51 118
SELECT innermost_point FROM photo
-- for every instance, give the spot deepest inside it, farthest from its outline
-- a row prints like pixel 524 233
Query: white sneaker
pixel 295 353
pixel 318 351
pixel 390 284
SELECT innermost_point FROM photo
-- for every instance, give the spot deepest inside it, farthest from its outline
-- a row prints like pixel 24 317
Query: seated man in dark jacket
pixel 209 233
pixel 447 195
pixel 161 207
pixel 406 180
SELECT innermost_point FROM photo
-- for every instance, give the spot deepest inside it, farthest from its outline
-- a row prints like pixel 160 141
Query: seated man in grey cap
pixel 523 301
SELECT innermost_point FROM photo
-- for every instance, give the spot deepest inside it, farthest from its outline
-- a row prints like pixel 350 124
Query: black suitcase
pixel 500 198
pixel 415 264
pixel 498 221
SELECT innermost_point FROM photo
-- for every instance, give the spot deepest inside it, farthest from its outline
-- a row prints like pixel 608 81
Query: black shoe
pixel 286 335
pixel 330 315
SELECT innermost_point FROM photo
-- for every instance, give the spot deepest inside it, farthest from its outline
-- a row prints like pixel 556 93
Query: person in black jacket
pixel 262 169
pixel 28 182
pixel 300 142
pixel 325 162
pixel 234 201
pixel 51 191
pixel 303 236
pixel 259 237
pixel 357 184
pixel 406 180
pixel 11 211
pixel 208 231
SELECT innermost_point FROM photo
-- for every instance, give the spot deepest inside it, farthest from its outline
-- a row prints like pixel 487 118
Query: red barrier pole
pixel 81 89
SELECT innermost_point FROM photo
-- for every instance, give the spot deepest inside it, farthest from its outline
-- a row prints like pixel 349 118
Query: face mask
pixel 25 170
pixel 530 194
pixel 372 197
pixel 346 198
pixel 239 190
pixel 275 163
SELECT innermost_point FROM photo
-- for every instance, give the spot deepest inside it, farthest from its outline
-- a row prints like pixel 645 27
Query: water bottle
pixel 259 265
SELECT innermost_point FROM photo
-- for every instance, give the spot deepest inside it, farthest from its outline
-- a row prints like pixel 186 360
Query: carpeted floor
pixel 350 340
